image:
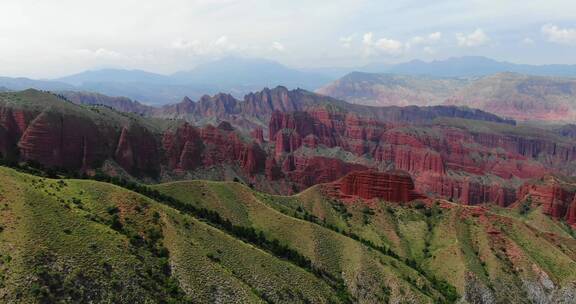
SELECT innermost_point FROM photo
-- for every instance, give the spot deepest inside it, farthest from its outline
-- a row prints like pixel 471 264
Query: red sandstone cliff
pixel 389 186
pixel 556 196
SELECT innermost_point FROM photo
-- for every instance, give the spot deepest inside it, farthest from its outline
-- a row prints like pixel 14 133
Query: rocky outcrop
pixel 389 186
pixel 258 135
pixel 54 140
pixel 267 101
pixel 556 196
pixel 468 190
pixel 306 172
pixel 452 159
pixel 137 151
pixel 188 148
pixel 467 166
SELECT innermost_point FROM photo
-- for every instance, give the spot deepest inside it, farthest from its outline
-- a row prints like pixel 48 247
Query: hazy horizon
pixel 48 39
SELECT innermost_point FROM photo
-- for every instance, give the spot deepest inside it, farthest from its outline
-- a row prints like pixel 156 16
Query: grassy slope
pixel 67 226
pixel 370 275
pixel 498 250
pixel 38 101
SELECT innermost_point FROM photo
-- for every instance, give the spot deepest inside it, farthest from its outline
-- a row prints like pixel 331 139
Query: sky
pixel 47 39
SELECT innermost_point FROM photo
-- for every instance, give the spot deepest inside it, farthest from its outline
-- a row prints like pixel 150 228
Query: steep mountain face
pixel 387 208
pixel 257 109
pixel 467 161
pixel 389 186
pixel 468 156
pixel 520 97
pixel 557 196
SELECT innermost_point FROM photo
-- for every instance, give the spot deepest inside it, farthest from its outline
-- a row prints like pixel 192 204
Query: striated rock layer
pixel 470 161
pixel 390 186
pixel 447 159
pixel 557 196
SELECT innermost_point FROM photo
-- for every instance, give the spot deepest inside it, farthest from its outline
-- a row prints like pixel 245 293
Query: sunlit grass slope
pixel 491 253
pixel 79 241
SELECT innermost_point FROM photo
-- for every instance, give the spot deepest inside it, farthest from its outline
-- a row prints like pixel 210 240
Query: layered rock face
pixel 557 197
pixel 467 161
pixel 258 107
pixel 76 143
pixel 454 162
pixel 306 172
pixel 390 186
pixel 57 141
pixel 188 148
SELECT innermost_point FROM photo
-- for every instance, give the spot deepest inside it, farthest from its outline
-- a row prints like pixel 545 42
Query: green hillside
pixel 497 254
pixel 77 241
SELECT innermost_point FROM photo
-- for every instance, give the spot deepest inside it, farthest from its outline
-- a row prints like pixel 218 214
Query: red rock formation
pixel 263 103
pixel 390 186
pixel 188 148
pixel 555 195
pixel 183 148
pixel 465 190
pixel 10 130
pixel 429 153
pixel 137 151
pixel 60 141
pixel 258 135
pixel 306 172
pixel 571 216
pixel 287 141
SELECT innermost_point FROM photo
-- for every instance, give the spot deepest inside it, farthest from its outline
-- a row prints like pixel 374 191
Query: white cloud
pixel 476 38
pixel 435 36
pixel 181 44
pixel 277 46
pixel 382 45
pixel 346 42
pixel 429 39
pixel 429 50
pixel 100 53
pixel 559 35
pixel 196 47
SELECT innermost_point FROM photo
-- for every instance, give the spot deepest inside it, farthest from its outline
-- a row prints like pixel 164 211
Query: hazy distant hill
pixel 239 76
pixel 470 66
pixel 389 89
pixel 242 72
pixel 521 97
pixel 512 95
pixel 114 75
pixel 22 83
pixel 236 76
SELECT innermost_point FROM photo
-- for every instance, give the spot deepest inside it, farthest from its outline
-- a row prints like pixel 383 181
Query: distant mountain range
pixel 518 96
pixel 238 76
pixel 470 66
